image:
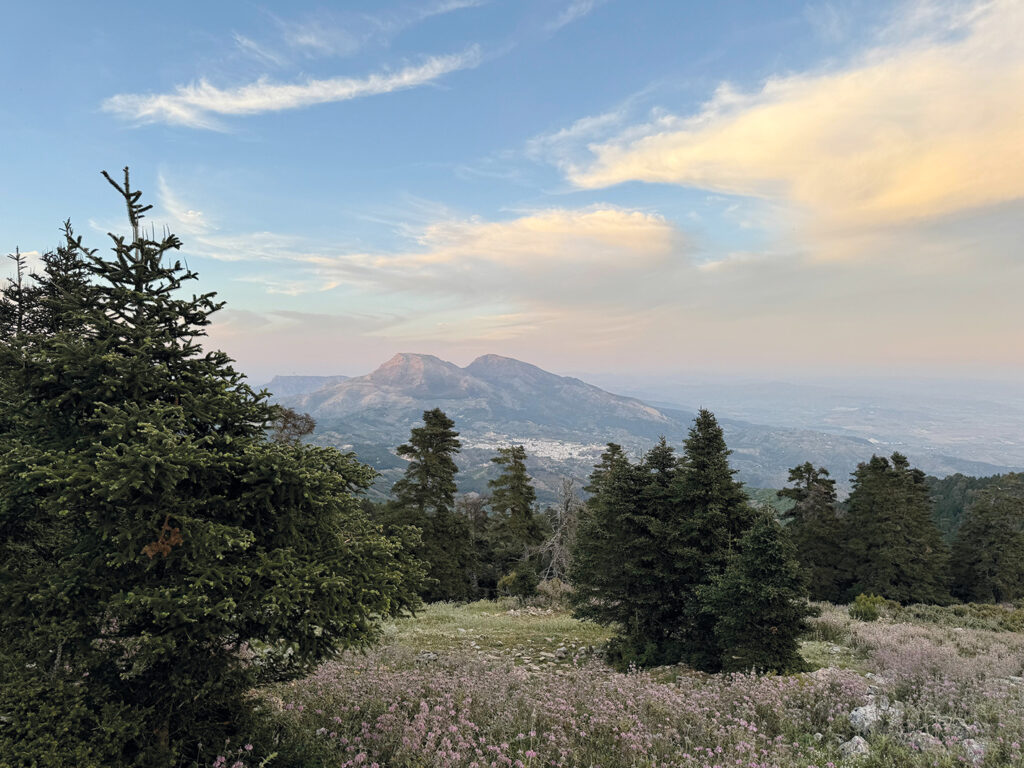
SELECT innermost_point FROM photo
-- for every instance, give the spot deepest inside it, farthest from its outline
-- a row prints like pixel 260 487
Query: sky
pixel 650 186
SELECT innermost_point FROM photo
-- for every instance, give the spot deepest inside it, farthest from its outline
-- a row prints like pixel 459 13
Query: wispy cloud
pixel 198 105
pixel 187 220
pixel 259 52
pixel 576 10
pixel 330 33
pixel 917 128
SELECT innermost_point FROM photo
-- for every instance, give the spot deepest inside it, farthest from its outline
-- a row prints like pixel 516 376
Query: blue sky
pixel 584 184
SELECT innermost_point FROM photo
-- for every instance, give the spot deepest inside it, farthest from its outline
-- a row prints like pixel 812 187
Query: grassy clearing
pixel 525 634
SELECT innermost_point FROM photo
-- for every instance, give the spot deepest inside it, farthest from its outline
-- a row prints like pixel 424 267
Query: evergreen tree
pixel 517 531
pixel 988 553
pixel 760 602
pixel 18 299
pixel 425 497
pixel 952 496
pixel 484 572
pixel 607 544
pixel 713 514
pixel 817 530
pixel 158 556
pixel 896 549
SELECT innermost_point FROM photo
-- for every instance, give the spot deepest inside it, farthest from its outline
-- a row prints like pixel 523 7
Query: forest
pixel 171 546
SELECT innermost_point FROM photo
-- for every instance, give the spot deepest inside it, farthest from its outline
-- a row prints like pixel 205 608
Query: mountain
pixel 283 386
pixel 563 423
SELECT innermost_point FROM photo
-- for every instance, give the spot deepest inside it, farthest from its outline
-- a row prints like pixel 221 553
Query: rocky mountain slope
pixel 562 421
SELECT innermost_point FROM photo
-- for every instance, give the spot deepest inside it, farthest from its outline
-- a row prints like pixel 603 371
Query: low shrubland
pixel 496 684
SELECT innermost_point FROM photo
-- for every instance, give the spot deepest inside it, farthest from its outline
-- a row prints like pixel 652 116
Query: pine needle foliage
pixel 817 530
pixel 653 538
pixel 988 553
pixel 714 514
pixel 425 498
pixel 760 602
pixel 516 528
pixel 159 556
pixel 896 550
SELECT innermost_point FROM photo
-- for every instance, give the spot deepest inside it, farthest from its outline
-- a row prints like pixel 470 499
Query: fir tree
pixel 517 531
pixel 988 553
pixel 759 602
pixel 713 513
pixel 484 573
pixel 425 497
pixel 606 546
pixel 159 557
pixel 817 530
pixel 896 549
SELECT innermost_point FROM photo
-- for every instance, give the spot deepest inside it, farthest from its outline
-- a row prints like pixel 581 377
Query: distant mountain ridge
pixel 563 421
pixel 491 388
pixel 283 386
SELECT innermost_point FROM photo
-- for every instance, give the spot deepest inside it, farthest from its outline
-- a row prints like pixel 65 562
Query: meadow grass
pixel 494 684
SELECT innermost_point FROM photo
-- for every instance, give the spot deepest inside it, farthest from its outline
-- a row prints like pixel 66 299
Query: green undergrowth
pixel 528 634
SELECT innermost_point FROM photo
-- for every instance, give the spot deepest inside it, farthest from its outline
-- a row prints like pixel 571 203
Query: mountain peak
pixel 420 374
pixel 489 366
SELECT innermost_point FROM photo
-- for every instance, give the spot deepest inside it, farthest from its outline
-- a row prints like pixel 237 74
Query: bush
pixel 554 593
pixel 521 582
pixel 866 607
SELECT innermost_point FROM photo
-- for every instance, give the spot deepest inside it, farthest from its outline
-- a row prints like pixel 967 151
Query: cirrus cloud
pixel 197 105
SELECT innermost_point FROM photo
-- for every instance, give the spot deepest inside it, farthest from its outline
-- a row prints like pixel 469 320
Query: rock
pixel 426 656
pixel 461 631
pixel 921 741
pixel 854 747
pixel 875 715
pixel 819 736
pixel 975 750
pixel 561 653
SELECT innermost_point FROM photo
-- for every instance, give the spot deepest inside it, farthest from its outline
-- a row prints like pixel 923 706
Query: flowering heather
pixel 958 693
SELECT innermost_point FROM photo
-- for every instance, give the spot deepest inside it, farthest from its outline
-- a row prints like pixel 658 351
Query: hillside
pixel 562 421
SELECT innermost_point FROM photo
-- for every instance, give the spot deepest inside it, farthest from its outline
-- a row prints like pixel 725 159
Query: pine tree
pixel 817 531
pixel 760 602
pixel 713 515
pixel 619 565
pixel 988 553
pixel 896 550
pixel 517 531
pixel 606 543
pixel 484 573
pixel 158 557
pixel 425 497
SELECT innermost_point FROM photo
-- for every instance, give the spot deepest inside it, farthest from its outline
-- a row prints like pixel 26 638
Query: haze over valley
pixel 564 422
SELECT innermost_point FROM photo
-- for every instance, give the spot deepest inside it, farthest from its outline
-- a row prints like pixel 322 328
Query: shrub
pixel 520 582
pixel 554 593
pixel 866 607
